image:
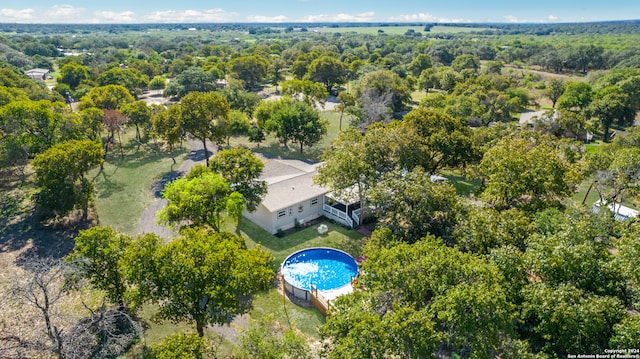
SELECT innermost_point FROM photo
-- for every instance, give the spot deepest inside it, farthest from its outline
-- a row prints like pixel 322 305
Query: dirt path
pixel 147 222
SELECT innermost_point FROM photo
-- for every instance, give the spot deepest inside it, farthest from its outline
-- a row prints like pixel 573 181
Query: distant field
pixel 398 30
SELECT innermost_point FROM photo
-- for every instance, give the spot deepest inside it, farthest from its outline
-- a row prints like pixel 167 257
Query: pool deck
pixel 332 294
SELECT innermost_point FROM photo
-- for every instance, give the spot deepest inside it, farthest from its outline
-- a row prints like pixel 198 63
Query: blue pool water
pixel 325 268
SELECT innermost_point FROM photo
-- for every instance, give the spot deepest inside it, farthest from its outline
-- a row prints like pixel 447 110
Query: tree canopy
pixel 197 200
pixel 60 172
pixel 242 170
pixel 206 278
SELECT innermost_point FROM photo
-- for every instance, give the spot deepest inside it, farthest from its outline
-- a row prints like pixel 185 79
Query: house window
pixel 290 211
pixel 282 213
pixel 314 201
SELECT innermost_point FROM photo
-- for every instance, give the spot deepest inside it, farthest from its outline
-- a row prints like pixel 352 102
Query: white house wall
pixel 302 212
pixel 262 217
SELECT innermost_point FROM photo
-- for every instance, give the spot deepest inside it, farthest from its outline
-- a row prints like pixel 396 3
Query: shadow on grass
pixel 108 187
pixel 54 239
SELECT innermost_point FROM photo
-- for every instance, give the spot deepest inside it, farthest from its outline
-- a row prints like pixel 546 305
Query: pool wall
pixel 303 293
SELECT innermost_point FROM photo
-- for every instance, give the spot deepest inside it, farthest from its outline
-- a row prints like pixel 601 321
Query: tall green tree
pixel 167 124
pixel 32 126
pixel 73 73
pixel 60 176
pixel 181 346
pixel 612 106
pixel 131 78
pixel 98 252
pixel 239 98
pixel 576 96
pixel 564 321
pixel 242 169
pixel 297 121
pixel 444 141
pixel 327 70
pixel 250 69
pixel 205 117
pixel 109 97
pixel 553 91
pixel 193 79
pixel 382 83
pixel 267 339
pixel 412 206
pixel 139 114
pixel 311 92
pixel 528 173
pixel 466 61
pixel 206 278
pixel 420 297
pixel 197 200
pixel 419 64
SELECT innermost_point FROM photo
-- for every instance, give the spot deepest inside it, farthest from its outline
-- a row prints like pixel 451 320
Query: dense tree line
pixel 514 271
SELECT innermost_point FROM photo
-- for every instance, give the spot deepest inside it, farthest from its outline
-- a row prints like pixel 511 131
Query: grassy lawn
pixel 464 186
pixel 272 302
pixel 270 147
pixel 124 184
pixel 578 197
pixel 592 147
pixel 159 329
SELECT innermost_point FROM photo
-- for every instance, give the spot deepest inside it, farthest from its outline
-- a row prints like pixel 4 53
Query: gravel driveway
pixel 147 222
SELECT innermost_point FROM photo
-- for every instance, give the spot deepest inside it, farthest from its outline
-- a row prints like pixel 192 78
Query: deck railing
pixel 338 215
pixel 355 215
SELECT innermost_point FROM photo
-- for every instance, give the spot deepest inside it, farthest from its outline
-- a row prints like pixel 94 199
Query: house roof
pixel 620 212
pixel 291 191
pixel 289 182
pixel 37 72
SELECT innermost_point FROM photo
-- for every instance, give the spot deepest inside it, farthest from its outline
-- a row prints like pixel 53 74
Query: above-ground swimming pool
pixel 325 269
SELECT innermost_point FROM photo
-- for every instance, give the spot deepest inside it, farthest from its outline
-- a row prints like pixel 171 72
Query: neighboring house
pixel 38 74
pixel 534 117
pixel 620 212
pixel 542 119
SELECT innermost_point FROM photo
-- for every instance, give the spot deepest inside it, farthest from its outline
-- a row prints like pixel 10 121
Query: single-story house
pixel 294 199
pixel 38 74
pixel 531 118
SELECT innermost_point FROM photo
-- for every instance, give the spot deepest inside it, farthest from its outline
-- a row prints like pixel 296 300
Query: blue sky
pixel 188 11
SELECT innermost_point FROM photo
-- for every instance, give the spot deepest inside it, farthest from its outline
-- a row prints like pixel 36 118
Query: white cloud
pixel 114 17
pixel 423 17
pixel 260 18
pixel 552 18
pixel 17 15
pixel 178 16
pixel 510 18
pixel 363 17
pixel 63 12
pixel 415 17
